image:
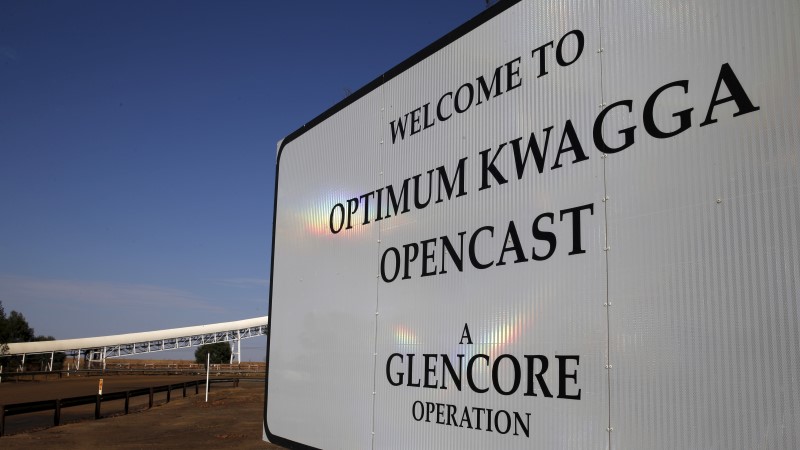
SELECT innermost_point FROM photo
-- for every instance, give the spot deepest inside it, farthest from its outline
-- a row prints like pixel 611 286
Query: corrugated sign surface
pixel 568 224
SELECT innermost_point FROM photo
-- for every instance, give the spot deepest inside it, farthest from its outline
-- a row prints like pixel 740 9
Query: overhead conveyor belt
pixel 102 347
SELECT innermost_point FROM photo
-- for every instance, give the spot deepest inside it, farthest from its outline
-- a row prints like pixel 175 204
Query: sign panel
pixel 704 222
pixel 567 224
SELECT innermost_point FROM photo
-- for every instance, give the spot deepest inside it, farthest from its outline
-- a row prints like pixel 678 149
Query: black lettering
pixel 563 375
pixel 465 418
pixel 456 103
pixel 684 117
pixel 426 124
pixel 560 58
pixel 478 415
pixel 512 244
pixel 465 335
pixel 395 201
pixel 457 258
pixel 411 370
pixel 470 379
pixel 451 414
pixel 428 256
pixel 396 265
pixel 429 369
pixel 352 207
pixel 525 426
pixel 378 200
pixel 496 370
pixel 487 90
pixel 575 145
pixel 366 197
pixel 414 410
pixel 389 367
pixel 542 66
pixel 415 126
pixel 538 375
pixel 449 369
pixel 431 407
pixel 488 167
pixel 449 185
pixel 540 235
pixel 738 95
pixel 598 129
pixel 472 256
pixel 417 203
pixel 333 228
pixel 439 115
pixel 521 160
pixel 400 130
pixel 497 424
pixel 408 259
pixel 512 72
pixel 576 225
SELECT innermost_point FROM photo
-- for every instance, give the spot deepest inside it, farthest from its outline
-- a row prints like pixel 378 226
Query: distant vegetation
pixel 220 353
pixel 15 328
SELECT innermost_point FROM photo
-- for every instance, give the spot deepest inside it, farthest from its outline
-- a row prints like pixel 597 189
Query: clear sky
pixel 138 141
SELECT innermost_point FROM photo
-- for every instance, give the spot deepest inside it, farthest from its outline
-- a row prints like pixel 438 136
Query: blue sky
pixel 137 147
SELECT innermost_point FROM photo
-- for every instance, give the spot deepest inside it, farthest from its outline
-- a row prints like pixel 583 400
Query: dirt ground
pixel 231 419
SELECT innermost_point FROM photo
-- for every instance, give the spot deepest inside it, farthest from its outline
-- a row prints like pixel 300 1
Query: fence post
pixel 196 387
pixel 169 391
pixel 2 419
pixel 127 400
pixel 184 390
pixel 151 398
pixel 97 406
pixel 57 413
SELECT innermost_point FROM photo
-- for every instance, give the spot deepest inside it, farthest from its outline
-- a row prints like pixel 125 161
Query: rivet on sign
pixel 379 241
pixel 381 142
pixel 606 249
pixel 600 50
pixel 605 304
pixel 609 429
pixel 375 354
pixel 602 105
pixel 376 313
pixel 719 200
pixel 381 173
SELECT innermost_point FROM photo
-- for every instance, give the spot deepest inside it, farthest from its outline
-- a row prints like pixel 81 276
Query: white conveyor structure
pixel 97 349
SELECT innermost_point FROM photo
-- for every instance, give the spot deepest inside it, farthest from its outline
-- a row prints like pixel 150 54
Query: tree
pixel 13 328
pixel 220 353
pixel 18 328
pixel 3 337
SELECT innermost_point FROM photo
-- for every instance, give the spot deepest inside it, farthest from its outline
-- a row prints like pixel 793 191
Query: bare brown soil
pixel 232 418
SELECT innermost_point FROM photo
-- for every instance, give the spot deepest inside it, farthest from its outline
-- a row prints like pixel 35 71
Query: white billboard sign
pixel 567 224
